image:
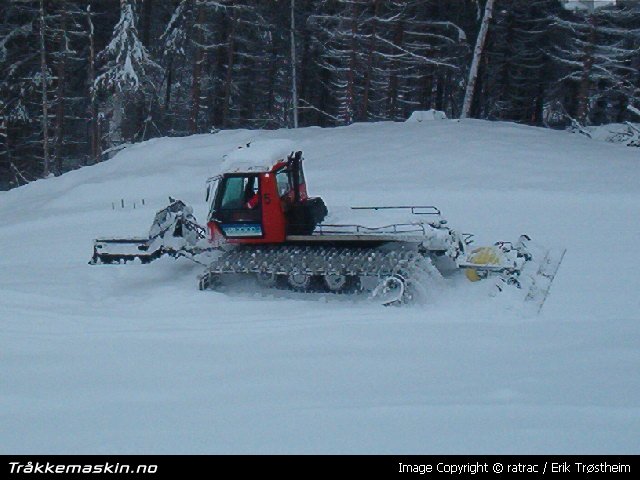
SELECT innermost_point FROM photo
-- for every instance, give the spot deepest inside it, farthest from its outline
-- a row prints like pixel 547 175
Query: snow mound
pixel 625 133
pixel 426 115
pixel 262 154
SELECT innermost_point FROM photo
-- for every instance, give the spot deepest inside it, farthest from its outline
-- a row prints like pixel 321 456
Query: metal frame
pixel 433 210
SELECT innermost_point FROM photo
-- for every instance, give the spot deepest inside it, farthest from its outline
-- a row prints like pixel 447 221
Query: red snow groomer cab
pixel 262 197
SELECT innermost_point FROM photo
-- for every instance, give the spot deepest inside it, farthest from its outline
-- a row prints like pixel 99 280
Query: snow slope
pixel 134 359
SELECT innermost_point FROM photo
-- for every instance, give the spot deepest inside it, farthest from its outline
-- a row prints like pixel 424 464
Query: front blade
pixel 538 275
pixel 119 250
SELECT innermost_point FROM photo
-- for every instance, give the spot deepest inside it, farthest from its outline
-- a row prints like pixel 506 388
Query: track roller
pixel 391 290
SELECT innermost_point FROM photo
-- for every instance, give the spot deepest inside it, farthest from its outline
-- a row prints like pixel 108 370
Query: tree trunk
pixel 147 9
pixel 294 80
pixel 115 125
pixel 197 73
pixel 364 108
pixel 275 115
pixel 506 89
pixel 475 63
pixel 142 113
pixel 392 99
pixel 216 92
pixel 436 90
pixel 167 114
pixel 167 93
pixel 62 67
pixel 4 139
pixel 94 136
pixel 351 72
pixel 582 111
pixel 306 80
pixel 45 102
pixel 229 75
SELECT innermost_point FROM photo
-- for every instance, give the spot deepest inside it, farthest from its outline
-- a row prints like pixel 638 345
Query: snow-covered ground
pixel 134 359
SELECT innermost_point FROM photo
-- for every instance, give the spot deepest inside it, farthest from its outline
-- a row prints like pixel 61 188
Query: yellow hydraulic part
pixel 481 256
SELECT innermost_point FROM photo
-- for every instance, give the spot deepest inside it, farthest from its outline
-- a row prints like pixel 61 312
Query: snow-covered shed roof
pixel 259 156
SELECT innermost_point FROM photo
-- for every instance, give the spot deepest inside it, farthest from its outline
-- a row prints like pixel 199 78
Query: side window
pixel 282 179
pixel 240 193
pixel 212 191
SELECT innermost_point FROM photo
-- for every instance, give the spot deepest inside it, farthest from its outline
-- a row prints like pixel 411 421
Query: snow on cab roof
pixel 260 155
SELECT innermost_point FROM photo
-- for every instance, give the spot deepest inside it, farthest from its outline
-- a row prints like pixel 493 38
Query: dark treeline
pixel 79 79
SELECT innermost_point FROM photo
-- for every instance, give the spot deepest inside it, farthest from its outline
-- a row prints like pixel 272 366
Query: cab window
pixel 282 179
pixel 239 193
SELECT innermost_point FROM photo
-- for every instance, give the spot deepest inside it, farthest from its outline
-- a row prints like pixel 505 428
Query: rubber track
pixel 284 260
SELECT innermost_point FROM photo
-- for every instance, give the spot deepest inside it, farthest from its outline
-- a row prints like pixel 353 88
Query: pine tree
pixel 230 64
pixel 518 73
pixel 194 35
pixel 596 62
pixel 426 43
pixel 336 32
pixel 27 81
pixel 68 54
pixel 379 55
pixel 129 72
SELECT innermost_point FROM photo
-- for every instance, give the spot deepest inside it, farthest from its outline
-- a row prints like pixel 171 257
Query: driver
pixel 251 195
